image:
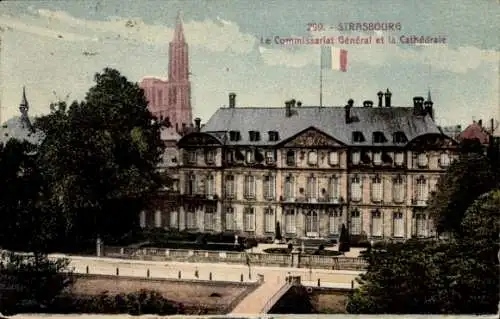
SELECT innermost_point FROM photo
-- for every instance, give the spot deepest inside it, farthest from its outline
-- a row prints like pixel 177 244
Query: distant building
pixel 20 127
pixel 171 99
pixel 311 169
pixel 477 131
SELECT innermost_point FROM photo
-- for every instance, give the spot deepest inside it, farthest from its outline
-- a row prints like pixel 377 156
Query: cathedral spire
pixel 24 106
pixel 429 95
pixel 179 30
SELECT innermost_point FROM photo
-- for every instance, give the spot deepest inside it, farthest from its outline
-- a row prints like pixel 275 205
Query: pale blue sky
pixel 43 45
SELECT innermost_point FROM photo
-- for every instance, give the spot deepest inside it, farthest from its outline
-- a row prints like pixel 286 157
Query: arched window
pixel 422 189
pixel 376 223
pixel 377 189
pixel 355 222
pixel 398 189
pixel 356 189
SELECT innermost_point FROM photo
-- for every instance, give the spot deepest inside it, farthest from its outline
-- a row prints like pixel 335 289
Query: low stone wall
pixel 256 259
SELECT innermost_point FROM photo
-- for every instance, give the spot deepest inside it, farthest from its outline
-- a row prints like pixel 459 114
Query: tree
pixel 278 231
pixel 459 276
pixel 344 243
pixel 465 180
pixel 32 279
pixel 99 159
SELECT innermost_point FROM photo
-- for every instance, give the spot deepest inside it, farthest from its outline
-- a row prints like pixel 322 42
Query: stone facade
pixel 309 180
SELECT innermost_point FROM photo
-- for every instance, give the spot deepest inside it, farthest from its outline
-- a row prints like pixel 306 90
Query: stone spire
pixel 429 95
pixel 24 105
pixel 179 30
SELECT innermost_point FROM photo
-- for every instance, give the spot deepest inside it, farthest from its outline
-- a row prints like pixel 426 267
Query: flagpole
pixel 321 78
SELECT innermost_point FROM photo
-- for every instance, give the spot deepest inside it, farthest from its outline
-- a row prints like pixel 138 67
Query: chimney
pixel 367 103
pixel 232 100
pixel 288 108
pixel 348 107
pixel 418 105
pixel 299 104
pixel 292 102
pixel 197 122
pixel 380 94
pixel 388 95
pixel 480 123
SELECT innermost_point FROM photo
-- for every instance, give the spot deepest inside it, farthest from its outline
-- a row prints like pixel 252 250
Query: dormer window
pixel 399 137
pixel 234 136
pixel 422 160
pixel 254 136
pixel 191 156
pixel 273 136
pixel 210 156
pixel 379 137
pixel 358 137
pixel 355 157
pixel 377 158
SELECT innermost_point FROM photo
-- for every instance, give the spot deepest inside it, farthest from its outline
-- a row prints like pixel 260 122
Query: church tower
pixel 171 99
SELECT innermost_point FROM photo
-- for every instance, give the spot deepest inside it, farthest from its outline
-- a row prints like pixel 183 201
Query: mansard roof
pixel 330 120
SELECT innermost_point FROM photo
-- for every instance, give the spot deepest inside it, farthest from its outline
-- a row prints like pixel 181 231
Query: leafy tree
pixel 32 279
pixel 344 243
pixel 460 276
pixel 465 180
pixel 99 159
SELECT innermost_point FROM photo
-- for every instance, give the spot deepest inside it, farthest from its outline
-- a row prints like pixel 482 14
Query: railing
pixel 276 297
pixel 280 260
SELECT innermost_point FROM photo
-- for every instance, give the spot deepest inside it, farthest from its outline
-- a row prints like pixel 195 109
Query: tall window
pixel 209 219
pixel 290 158
pixel 333 158
pixel 191 220
pixel 422 189
pixel 190 184
pixel 312 158
pixel 250 156
pixel 355 222
pixel 399 158
pixel 312 222
pixel 290 225
pixel 269 220
pixel 174 218
pixel 356 189
pixel 377 189
pixel 335 222
pixel 398 224
pixel 444 160
pixel 398 189
pixel 311 187
pixel 230 220
pixel 422 160
pixel 249 186
pixel 420 225
pixel 210 156
pixel 230 186
pixel 355 157
pixel 377 223
pixel 191 156
pixel 289 188
pixel 269 187
pixel 377 158
pixel 333 188
pixel 249 219
pixel 210 185
pixel 269 157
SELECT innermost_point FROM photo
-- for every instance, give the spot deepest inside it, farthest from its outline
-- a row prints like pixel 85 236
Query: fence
pixel 258 259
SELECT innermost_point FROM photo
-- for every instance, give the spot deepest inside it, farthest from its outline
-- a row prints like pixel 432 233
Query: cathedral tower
pixel 172 98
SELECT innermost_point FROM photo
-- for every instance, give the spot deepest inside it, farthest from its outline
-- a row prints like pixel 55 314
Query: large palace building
pixel 310 170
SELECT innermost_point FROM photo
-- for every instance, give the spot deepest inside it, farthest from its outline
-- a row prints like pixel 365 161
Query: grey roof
pixel 330 120
pixel 18 128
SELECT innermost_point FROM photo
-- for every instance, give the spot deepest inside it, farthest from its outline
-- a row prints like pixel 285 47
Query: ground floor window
pixel 355 222
pixel 335 222
pixel 230 221
pixel 377 224
pixel 420 225
pixel 249 219
pixel 191 220
pixel 269 220
pixel 398 224
pixel 209 219
pixel 290 225
pixel 174 220
pixel 312 222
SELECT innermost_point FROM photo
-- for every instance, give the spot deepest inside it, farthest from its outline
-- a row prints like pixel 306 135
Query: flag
pixel 334 59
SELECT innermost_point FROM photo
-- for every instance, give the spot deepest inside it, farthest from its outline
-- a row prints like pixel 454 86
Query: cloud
pixel 217 36
pixel 439 56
